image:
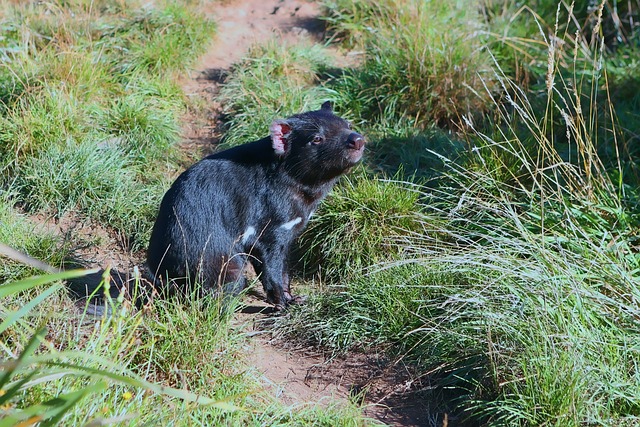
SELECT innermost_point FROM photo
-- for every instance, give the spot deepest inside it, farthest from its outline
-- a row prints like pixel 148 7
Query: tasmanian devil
pixel 248 204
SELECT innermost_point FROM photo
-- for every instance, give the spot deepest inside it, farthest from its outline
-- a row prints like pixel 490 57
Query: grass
pixel 358 222
pixel 96 94
pixel 414 67
pixel 90 115
pixel 517 286
pixel 42 382
pixel 490 239
pixel 275 80
pixel 20 233
pixel 96 181
pixel 177 363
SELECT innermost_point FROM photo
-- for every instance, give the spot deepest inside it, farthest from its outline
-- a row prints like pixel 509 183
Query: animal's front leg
pixel 273 285
pixel 269 265
pixel 286 284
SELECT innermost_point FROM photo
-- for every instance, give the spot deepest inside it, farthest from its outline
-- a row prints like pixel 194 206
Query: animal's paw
pixel 295 299
pixel 289 300
pixel 280 308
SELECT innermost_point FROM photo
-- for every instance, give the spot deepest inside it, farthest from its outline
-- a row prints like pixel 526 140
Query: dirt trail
pixel 304 375
pixel 296 376
pixel 241 24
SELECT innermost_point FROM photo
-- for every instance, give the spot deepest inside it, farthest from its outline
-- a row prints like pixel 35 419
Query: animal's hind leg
pixel 231 279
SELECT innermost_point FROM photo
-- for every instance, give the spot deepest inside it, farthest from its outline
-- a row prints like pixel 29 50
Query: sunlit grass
pixel 509 278
pixel 414 67
pixel 91 107
pixel 518 285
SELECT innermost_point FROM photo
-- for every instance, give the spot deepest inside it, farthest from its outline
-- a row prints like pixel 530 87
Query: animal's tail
pixel 99 292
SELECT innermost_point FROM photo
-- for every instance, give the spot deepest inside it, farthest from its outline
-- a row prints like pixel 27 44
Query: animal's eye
pixel 317 139
pixel 349 124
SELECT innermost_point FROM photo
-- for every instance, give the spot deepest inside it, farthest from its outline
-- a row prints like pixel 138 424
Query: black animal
pixel 248 204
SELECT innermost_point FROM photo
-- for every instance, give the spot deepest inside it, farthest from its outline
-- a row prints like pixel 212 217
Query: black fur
pixel 243 204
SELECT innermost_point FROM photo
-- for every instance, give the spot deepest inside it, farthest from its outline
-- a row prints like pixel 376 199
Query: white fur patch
pixel 250 231
pixel 289 225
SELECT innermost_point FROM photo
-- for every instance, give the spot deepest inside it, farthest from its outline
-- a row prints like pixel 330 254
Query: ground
pixel 297 374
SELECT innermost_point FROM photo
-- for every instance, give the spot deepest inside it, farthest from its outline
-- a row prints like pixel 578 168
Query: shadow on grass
pixel 418 158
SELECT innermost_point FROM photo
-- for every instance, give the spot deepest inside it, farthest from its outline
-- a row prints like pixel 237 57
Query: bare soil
pixel 390 391
pixel 240 25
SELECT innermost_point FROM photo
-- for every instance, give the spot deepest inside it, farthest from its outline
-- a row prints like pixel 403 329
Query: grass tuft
pixel 357 226
pixel 414 66
pixel 146 128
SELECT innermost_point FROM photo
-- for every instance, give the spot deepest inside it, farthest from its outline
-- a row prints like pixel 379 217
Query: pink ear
pixel 280 130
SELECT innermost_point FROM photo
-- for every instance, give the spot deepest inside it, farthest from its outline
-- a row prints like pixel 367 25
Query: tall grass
pixel 44 384
pixel 414 65
pixel 519 286
pixel 173 363
pixel 274 80
pixel 522 36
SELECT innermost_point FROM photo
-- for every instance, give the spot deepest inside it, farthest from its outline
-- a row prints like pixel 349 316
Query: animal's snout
pixel 356 141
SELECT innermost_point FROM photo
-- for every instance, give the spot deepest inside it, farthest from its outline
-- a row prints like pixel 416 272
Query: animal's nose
pixel 355 141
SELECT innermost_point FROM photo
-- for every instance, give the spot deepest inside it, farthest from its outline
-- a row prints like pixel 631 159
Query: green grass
pixel 94 178
pixel 414 67
pixel 91 107
pixel 175 363
pixel 501 260
pixel 517 285
pixel 593 50
pixel 533 322
pixel 356 225
pixel 23 235
pixel 44 376
pixel 144 126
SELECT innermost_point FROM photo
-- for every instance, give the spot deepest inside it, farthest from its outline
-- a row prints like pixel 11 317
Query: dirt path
pixel 306 376
pixel 241 24
pixel 300 376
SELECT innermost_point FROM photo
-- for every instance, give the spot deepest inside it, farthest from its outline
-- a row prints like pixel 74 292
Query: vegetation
pixel 19 233
pixel 414 67
pixel 253 94
pixel 490 238
pixel 90 108
pixel 90 114
pixel 49 384
pixel 517 278
pixel 134 367
pixel 358 226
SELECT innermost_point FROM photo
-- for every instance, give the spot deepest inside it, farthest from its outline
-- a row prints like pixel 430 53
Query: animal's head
pixel 316 146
